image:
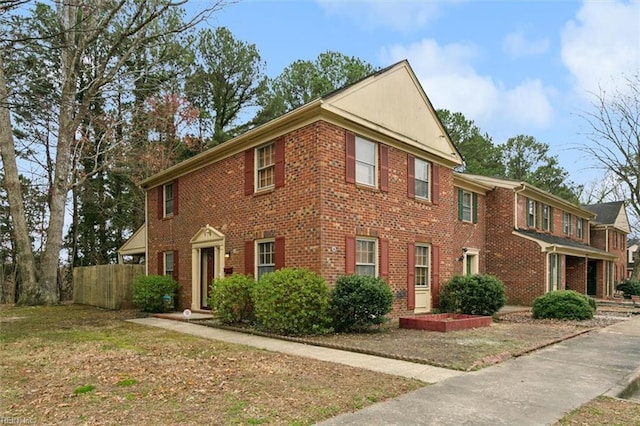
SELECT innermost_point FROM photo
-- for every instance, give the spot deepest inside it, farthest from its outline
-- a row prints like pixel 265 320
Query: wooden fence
pixel 105 286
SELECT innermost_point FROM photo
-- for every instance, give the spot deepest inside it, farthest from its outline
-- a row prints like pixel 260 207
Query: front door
pixel 207 274
pixel 592 277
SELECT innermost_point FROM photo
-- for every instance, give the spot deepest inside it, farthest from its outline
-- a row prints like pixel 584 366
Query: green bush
pixel 230 298
pixel 592 303
pixel 359 301
pixel 473 295
pixel 149 293
pixel 629 288
pixel 292 301
pixel 563 304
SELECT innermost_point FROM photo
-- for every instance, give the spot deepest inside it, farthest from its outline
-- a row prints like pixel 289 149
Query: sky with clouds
pixel 514 67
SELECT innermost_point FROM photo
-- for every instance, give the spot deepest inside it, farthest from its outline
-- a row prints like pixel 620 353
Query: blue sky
pixel 514 67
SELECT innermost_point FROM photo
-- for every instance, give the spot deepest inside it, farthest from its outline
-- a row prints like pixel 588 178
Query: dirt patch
pixel 604 411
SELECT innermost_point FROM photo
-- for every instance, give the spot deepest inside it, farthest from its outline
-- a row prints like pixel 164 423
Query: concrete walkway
pixel 536 389
pixel 426 373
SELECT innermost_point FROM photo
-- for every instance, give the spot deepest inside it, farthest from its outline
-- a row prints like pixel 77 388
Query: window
pixel 265 166
pixel 266 257
pixel 467 206
pixel 366 159
pixel 566 223
pixel 422 179
pixel 168 199
pixel 366 256
pixel 423 258
pixel 531 213
pixel 168 264
pixel 470 261
pixel 579 228
pixel 546 217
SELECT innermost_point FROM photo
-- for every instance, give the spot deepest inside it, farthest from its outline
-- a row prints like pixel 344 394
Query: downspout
pixel 146 232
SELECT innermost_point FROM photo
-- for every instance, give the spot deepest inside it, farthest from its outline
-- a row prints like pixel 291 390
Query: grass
pixel 74 364
pixel 604 411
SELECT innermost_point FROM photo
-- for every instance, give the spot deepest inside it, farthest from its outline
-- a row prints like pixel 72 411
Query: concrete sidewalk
pixel 426 373
pixel 537 389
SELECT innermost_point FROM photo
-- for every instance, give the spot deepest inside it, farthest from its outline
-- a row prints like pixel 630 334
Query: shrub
pixel 230 297
pixel 592 303
pixel 473 295
pixel 149 293
pixel 292 301
pixel 562 304
pixel 629 288
pixel 359 301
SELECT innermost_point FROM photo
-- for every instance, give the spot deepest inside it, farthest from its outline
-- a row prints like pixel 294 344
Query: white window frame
pixel 546 218
pixel 425 180
pixel 267 168
pixel 471 262
pixel 168 203
pixel 366 263
pixel 370 166
pixel 265 265
pixel 532 207
pixel 167 264
pixel 579 228
pixel 421 269
pixel 467 206
pixel 566 223
pixel 555 271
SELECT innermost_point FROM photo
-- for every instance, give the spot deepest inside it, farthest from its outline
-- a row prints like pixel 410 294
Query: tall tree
pixel 526 159
pixel 123 27
pixel 480 155
pixel 304 81
pixel 228 79
pixel 614 134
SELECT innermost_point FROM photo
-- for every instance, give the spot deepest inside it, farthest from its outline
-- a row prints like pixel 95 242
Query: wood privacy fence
pixel 105 286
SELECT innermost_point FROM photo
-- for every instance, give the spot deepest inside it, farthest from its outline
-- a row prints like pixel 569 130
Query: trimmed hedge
pixel 359 301
pixel 292 301
pixel 629 288
pixel 149 292
pixel 230 298
pixel 563 304
pixel 473 295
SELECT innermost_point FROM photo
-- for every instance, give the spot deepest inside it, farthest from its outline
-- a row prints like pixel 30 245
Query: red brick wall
pixel 471 235
pixel 516 261
pixel 314 211
pixel 576 274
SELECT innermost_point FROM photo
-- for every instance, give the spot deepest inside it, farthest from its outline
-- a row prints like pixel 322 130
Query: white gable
pixel 136 244
pixel 393 102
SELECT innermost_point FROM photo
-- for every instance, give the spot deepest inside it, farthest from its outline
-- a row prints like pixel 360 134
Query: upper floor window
pixel 168 195
pixel 422 179
pixel 531 213
pixel 266 261
pixel 366 255
pixel 265 166
pixel 366 160
pixel 547 218
pixel 467 206
pixel 579 228
pixel 566 223
pixel 422 263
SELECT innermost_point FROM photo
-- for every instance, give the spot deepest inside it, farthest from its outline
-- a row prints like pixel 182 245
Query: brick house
pixel 537 242
pixel 360 180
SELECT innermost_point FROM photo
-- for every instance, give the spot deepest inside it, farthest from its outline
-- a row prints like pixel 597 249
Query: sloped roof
pixel 136 244
pixel 608 213
pixel 566 245
pixel 390 106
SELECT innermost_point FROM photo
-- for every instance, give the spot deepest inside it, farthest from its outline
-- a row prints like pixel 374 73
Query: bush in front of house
pixel 230 298
pixel 154 293
pixel 360 301
pixel 292 301
pixel 629 288
pixel 473 295
pixel 562 304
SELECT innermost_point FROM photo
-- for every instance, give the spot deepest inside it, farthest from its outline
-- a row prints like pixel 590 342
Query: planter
pixel 445 322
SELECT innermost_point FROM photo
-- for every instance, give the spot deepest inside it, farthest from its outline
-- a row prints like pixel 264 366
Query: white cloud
pixel 601 44
pixel 401 15
pixel 516 45
pixel 451 82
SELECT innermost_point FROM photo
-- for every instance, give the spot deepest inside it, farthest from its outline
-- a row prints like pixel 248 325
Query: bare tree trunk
pixel 635 273
pixel 25 261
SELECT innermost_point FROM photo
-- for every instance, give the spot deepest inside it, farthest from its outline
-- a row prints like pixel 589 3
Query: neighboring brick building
pixel 537 242
pixel 359 181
